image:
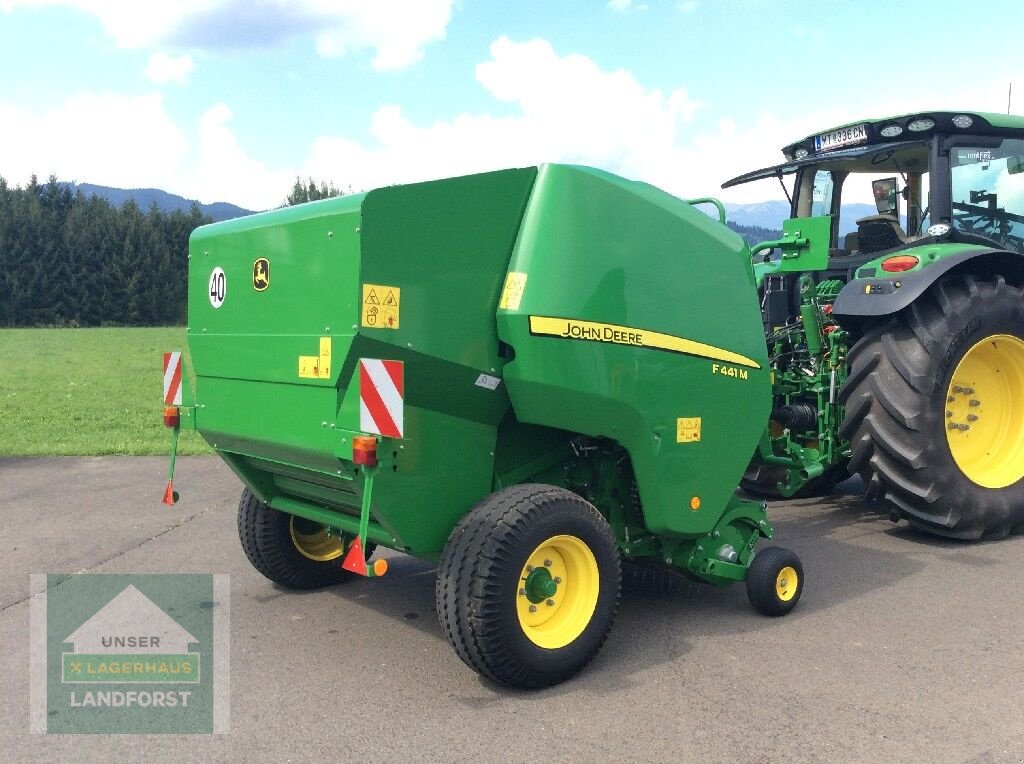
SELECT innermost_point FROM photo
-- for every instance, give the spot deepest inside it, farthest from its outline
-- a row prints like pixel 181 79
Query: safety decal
pixel 592 331
pixel 381 306
pixel 688 429
pixel 261 274
pixel 317 366
pixel 512 294
pixel 172 379
pixel 382 397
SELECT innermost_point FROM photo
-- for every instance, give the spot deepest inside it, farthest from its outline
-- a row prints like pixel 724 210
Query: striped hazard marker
pixel 172 379
pixel 382 397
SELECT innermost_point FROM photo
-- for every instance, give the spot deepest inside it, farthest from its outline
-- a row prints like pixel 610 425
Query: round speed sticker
pixel 218 287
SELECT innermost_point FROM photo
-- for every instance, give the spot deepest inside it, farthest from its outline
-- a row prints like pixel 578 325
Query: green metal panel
pixel 446 246
pixel 597 248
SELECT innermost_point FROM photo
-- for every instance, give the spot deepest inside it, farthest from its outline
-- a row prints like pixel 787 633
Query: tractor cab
pixel 895 183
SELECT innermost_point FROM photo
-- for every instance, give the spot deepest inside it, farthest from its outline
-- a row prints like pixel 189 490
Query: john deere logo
pixel 261 274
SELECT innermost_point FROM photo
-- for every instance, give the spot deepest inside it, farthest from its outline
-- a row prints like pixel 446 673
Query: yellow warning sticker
pixel 688 429
pixel 512 294
pixel 381 306
pixel 317 366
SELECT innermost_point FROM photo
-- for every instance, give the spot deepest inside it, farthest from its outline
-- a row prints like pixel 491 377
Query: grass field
pixel 70 392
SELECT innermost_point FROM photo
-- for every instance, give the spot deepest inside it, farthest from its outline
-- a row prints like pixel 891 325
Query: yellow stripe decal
pixel 573 329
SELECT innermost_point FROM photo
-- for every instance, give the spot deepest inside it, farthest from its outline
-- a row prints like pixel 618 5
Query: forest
pixel 70 260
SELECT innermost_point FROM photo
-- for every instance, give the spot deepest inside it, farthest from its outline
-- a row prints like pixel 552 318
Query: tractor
pixel 896 338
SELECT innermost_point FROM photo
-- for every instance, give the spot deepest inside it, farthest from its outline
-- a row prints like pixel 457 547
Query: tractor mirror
pixel 1015 165
pixel 885 196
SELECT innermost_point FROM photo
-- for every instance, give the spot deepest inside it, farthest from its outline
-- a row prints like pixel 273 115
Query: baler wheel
pixel 775 581
pixel 529 585
pixel 287 550
pixel 935 409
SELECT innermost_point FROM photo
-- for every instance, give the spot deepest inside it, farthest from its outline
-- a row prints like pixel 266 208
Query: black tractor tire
pixel 761 480
pixel 898 394
pixel 266 536
pixel 482 582
pixel 775 581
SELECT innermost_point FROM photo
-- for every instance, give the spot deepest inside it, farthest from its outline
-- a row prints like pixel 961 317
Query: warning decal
pixel 382 397
pixel 381 306
pixel 688 430
pixel 512 294
pixel 317 366
pixel 172 379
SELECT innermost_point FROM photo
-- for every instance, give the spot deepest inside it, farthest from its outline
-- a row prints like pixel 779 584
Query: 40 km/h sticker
pixel 218 287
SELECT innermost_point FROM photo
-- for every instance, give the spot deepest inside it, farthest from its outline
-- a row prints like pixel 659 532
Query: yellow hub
pixel 985 412
pixel 557 592
pixel 312 540
pixel 786 583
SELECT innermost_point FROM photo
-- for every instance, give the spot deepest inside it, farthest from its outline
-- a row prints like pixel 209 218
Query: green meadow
pixel 66 392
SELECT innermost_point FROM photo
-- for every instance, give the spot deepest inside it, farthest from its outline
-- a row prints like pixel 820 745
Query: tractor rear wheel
pixel 935 409
pixel 289 550
pixel 529 585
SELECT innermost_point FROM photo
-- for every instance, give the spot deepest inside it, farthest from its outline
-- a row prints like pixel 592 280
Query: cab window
pixel 987 186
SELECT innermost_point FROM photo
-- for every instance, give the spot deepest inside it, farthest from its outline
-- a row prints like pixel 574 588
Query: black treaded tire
pixel 895 399
pixel 266 540
pixel 478 582
pixel 763 576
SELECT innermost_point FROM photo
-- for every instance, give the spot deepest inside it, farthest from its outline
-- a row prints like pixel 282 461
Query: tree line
pixel 67 259
pixel 71 260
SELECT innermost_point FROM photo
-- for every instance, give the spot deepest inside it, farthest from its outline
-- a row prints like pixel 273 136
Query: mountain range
pixel 165 202
pixel 768 215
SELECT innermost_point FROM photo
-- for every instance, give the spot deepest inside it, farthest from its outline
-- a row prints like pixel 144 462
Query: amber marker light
pixel 695 503
pixel 171 416
pixel 364 451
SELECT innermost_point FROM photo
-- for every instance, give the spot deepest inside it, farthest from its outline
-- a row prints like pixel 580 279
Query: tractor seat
pixel 877 233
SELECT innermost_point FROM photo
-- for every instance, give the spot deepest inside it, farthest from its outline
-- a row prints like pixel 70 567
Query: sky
pixel 231 100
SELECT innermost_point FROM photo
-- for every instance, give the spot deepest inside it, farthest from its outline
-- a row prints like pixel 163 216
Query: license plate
pixel 844 136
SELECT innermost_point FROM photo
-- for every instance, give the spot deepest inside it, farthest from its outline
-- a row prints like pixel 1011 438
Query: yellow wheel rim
pixel 313 541
pixel 557 592
pixel 985 412
pixel 786 583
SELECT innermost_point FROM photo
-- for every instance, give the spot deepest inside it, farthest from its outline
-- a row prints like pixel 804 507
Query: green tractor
pixel 896 339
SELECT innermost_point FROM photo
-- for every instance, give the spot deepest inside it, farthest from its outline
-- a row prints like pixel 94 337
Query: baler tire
pixel 266 540
pixel 480 582
pixel 771 587
pixel 899 388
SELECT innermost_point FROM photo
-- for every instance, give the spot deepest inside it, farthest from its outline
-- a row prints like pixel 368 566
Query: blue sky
pixel 231 99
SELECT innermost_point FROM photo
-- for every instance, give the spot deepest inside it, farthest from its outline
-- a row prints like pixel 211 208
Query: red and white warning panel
pixel 382 397
pixel 172 379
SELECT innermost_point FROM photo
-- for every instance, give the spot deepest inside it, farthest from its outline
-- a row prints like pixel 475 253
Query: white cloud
pixel 569 109
pixel 395 30
pixel 225 172
pixel 553 108
pixel 626 6
pixel 117 140
pixel 163 68
pixel 687 6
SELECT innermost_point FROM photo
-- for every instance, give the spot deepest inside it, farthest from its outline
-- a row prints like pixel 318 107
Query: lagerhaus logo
pixel 136 653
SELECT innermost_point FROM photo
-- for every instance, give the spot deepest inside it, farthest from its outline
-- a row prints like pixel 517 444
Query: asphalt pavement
pixel 903 648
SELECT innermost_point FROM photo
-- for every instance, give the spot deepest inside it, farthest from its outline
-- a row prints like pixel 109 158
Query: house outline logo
pixel 130 640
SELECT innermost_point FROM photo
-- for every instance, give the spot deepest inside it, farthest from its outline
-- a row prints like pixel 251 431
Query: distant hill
pixel 771 214
pixel 165 202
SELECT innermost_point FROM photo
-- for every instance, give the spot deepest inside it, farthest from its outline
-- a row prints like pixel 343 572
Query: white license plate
pixel 844 136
